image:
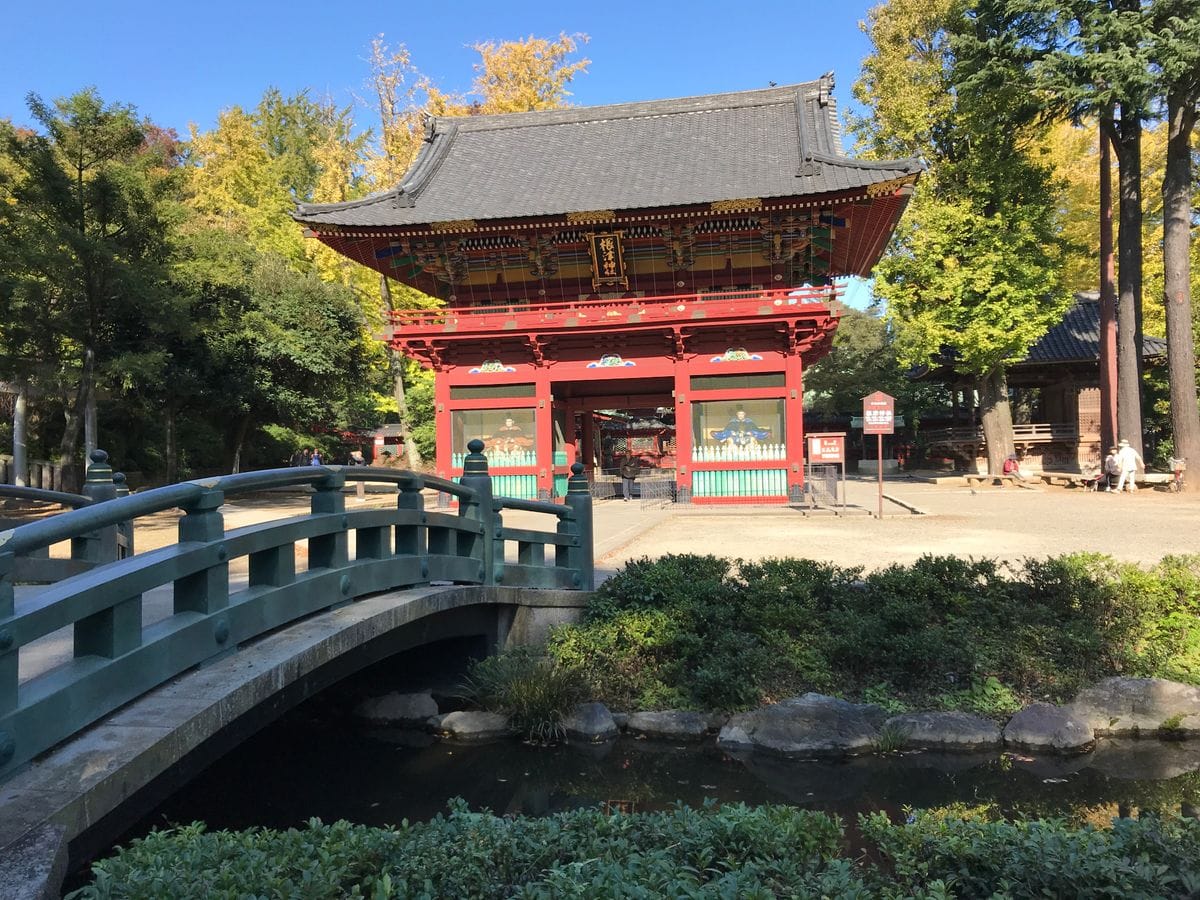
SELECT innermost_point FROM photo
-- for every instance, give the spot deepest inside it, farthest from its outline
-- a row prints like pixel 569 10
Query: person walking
pixel 629 473
pixel 1130 461
pixel 315 460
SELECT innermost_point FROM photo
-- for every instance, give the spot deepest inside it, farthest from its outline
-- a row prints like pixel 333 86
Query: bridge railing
pixel 116 655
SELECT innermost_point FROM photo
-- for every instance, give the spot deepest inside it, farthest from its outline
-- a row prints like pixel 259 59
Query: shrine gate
pixel 674 256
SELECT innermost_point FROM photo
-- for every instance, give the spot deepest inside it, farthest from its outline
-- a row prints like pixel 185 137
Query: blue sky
pixel 182 63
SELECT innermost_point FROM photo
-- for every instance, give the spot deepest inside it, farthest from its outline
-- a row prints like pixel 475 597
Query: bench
pixel 1001 480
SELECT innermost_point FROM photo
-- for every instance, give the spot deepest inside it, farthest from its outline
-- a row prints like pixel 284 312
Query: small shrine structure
pixel 676 256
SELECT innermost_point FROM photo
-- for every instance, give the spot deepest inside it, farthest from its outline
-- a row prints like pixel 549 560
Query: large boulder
pixel 470 725
pixel 945 730
pixel 669 725
pixel 1140 705
pixel 812 725
pixel 398 709
pixel 590 722
pixel 1044 725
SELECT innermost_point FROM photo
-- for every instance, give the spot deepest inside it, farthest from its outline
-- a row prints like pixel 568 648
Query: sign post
pixel 829 447
pixel 879 418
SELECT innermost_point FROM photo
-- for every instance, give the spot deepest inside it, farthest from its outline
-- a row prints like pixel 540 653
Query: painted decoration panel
pixel 725 430
pixel 508 435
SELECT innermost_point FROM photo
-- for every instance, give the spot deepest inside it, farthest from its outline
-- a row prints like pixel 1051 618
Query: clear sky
pixel 181 63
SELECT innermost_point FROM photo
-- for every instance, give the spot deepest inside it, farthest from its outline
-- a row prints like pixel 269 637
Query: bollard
pixel 481 510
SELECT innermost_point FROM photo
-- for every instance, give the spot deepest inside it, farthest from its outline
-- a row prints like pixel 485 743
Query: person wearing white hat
pixel 1130 461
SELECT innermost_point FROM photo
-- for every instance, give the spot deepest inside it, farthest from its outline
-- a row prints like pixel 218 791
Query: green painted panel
pixel 740 483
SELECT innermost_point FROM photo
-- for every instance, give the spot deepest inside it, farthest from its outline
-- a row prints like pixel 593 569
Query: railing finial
pixel 475 462
pixel 99 470
pixel 578 483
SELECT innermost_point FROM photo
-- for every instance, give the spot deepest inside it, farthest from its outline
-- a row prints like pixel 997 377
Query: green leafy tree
pixel 82 236
pixel 864 359
pixel 972 277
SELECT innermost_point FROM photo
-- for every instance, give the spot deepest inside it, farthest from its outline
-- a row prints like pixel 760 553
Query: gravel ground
pixel 1007 523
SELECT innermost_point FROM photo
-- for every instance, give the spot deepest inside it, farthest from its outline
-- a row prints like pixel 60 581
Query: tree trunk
pixel 172 446
pixel 397 363
pixel 91 437
pixel 1129 281
pixel 74 415
pixel 1177 219
pixel 997 419
pixel 239 442
pixel 1108 295
pixel 20 442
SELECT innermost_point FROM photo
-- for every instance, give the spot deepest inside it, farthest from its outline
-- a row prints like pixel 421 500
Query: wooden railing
pixel 1035 433
pixel 115 657
pixel 624 310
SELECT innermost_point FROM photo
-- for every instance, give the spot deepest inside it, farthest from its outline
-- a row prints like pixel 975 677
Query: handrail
pixel 19 492
pixel 115 659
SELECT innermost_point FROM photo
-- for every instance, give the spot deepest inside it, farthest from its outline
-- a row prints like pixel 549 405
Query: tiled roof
pixel 1077 337
pixel 777 142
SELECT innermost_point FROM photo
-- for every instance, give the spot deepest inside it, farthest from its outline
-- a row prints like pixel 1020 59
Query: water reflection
pixel 300 768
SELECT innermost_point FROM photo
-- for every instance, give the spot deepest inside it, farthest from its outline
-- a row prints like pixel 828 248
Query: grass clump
pixel 531 689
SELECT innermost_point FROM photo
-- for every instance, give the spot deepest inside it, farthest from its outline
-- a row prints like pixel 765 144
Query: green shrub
pixel 1143 858
pixel 702 632
pixel 717 852
pixel 532 690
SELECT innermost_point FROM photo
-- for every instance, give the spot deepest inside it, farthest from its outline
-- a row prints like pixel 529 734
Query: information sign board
pixel 826 448
pixel 879 413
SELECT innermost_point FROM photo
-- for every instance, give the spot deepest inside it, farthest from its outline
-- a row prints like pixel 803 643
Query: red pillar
pixel 588 442
pixel 683 430
pixel 793 410
pixel 544 444
pixel 441 420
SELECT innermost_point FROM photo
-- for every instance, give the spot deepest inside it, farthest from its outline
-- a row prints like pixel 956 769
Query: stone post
pixel 99 546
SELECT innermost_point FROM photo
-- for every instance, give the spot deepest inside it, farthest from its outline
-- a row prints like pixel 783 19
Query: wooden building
pixel 1055 392
pixel 672 254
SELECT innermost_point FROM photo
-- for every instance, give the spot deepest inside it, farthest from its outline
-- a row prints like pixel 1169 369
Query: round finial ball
pixel 475 446
pixel 118 478
pixel 577 468
pixel 98 456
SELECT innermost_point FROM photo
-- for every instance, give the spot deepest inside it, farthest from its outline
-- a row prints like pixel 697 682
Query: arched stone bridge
pixel 247 633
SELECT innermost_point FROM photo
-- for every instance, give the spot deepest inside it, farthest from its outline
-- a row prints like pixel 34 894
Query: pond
pixel 309 764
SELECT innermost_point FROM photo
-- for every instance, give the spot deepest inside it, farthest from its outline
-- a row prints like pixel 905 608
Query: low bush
pixel 707 633
pixel 726 851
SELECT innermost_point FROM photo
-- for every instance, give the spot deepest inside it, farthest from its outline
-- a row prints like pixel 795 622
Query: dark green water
pixel 306 766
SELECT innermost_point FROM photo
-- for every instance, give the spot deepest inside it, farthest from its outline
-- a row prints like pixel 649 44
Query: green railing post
pixel 205 591
pixel 481 510
pixel 579 499
pixel 412 540
pixel 125 529
pixel 329 551
pixel 118 629
pixel 9 656
pixel 99 546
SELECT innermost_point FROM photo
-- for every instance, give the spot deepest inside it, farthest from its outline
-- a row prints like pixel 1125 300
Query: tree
pixel 864 359
pixel 527 75
pixel 1176 51
pixel 82 231
pixel 972 276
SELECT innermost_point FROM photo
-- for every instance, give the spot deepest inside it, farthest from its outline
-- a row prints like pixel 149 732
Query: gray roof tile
pixel 1077 337
pixel 778 142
